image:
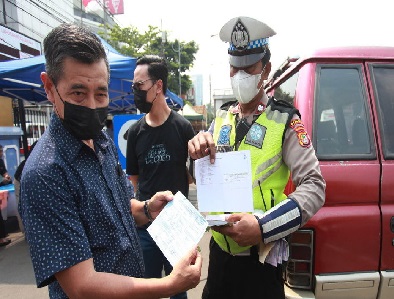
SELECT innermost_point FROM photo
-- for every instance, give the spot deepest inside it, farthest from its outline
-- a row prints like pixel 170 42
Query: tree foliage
pixel 129 41
pixel 282 95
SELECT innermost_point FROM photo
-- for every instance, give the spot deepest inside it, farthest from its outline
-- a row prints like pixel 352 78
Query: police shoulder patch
pixel 298 127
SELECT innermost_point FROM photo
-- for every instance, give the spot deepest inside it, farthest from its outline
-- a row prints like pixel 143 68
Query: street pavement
pixel 16 271
pixel 17 277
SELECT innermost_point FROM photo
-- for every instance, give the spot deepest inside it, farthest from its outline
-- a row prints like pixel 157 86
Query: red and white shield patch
pixel 303 137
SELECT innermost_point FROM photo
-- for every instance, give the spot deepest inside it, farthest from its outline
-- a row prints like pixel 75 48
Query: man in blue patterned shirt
pixel 76 202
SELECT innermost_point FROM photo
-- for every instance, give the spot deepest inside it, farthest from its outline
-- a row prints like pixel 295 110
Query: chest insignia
pixel 255 136
pixel 224 135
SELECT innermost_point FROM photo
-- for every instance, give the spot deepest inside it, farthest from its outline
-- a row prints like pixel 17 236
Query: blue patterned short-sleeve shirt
pixel 75 205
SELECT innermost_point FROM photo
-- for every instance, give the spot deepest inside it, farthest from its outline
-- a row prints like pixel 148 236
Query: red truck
pixel 346 99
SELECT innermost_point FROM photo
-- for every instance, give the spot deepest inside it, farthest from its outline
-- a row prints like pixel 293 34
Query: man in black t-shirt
pixel 156 150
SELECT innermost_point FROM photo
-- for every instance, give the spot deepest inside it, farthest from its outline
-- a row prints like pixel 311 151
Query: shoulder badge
pixel 298 127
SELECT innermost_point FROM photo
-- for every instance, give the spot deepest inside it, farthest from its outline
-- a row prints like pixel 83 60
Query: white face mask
pixel 245 86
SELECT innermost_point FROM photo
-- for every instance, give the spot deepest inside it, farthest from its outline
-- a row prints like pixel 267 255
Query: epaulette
pixel 284 107
pixel 227 105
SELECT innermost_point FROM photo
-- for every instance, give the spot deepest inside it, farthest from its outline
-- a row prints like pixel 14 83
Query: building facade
pixel 35 19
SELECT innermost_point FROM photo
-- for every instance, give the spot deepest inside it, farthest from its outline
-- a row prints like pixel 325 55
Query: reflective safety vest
pixel 264 140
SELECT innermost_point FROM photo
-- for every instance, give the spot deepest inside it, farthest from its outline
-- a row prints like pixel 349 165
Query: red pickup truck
pixel 346 99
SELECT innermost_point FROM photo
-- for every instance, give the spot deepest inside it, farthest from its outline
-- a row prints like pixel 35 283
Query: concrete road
pixel 17 278
pixel 16 274
pixel 16 271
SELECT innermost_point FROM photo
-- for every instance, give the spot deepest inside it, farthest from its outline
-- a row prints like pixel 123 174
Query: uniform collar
pixel 236 108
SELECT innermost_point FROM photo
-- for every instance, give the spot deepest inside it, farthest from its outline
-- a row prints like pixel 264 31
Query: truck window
pixel 340 114
pixel 383 78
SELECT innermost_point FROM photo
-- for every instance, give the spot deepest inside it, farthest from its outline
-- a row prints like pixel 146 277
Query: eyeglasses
pixel 137 85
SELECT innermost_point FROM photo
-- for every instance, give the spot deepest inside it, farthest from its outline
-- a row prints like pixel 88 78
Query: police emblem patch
pixel 256 135
pixel 304 139
pixel 240 36
pixel 224 135
pixel 302 135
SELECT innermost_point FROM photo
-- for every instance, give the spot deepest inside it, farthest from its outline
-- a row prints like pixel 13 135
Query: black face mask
pixel 140 101
pixel 84 123
pixel 140 98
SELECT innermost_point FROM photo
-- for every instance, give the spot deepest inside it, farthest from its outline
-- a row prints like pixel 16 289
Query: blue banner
pixel 121 124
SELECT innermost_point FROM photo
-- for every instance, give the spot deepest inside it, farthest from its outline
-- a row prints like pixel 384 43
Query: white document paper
pixel 226 185
pixel 178 228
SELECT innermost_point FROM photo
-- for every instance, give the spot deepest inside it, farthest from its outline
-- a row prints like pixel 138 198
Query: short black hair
pixel 71 41
pixel 157 68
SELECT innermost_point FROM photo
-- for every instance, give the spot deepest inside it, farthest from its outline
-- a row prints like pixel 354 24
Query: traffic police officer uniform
pixel 279 145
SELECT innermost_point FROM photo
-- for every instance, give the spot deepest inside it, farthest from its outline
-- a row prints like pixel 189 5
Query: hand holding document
pixel 224 186
pixel 178 228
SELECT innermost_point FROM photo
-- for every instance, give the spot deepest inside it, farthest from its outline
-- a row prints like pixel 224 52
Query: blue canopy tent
pixel 21 79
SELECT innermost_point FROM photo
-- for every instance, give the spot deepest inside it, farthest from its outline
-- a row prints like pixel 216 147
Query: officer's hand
pixel 245 230
pixel 201 145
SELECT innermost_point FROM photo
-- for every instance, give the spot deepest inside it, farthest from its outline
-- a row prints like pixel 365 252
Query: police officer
pixel 246 258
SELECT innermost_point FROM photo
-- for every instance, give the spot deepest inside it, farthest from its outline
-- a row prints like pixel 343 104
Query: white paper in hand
pixel 178 228
pixel 225 186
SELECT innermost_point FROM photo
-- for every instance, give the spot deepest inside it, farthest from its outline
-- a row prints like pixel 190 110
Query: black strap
pixel 241 129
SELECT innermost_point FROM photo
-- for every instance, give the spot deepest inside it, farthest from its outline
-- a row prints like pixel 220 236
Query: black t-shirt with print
pixel 158 155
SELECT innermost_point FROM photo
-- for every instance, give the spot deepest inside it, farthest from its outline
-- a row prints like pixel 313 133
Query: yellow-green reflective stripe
pixel 264 166
pixel 266 175
pixel 221 113
pixel 277 116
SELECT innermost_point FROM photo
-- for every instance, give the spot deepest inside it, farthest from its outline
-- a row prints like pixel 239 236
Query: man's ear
pixel 160 86
pixel 48 86
pixel 267 70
